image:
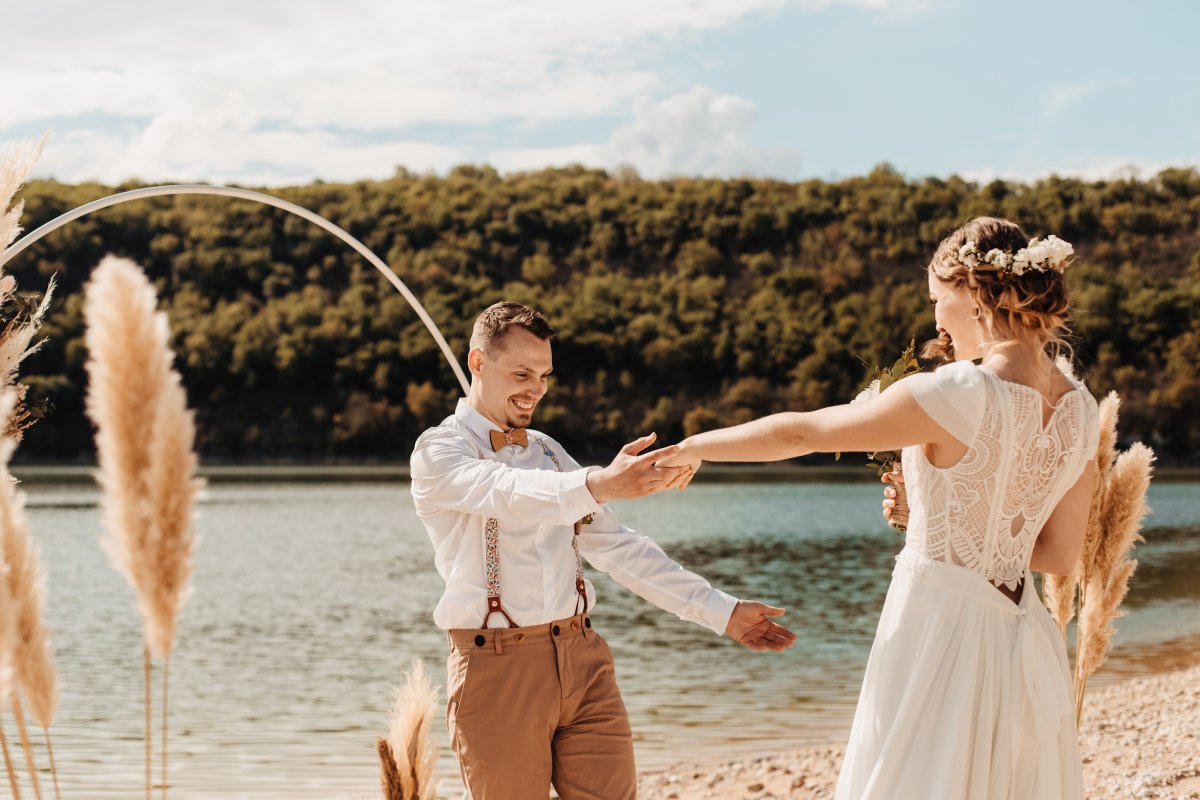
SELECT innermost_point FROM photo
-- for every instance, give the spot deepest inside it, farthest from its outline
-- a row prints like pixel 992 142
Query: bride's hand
pixel 682 458
pixel 890 493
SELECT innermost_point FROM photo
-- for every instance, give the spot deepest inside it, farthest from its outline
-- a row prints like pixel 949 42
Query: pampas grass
pixel 8 629
pixel 26 661
pixel 1100 580
pixel 144 442
pixel 20 322
pixel 14 169
pixel 407 757
pixel 34 662
pixel 1105 581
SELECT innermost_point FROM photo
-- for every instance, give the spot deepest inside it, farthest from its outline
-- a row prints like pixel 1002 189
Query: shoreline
pixel 358 473
pixel 1139 738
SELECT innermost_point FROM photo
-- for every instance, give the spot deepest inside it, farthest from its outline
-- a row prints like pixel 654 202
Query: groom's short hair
pixel 497 320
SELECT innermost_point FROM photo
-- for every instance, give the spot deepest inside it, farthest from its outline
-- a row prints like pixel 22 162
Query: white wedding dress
pixel 967 695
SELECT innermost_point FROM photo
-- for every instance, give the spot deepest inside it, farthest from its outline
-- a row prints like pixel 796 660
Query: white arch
pixel 266 199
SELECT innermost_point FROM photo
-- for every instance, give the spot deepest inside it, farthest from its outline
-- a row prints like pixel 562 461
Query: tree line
pixel 681 304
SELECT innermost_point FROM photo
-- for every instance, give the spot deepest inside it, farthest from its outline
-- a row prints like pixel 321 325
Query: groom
pixel 532 693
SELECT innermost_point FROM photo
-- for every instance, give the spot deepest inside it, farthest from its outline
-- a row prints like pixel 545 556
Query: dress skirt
pixel 967 695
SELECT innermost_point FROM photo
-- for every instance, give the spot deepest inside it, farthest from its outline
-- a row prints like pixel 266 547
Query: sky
pixel 280 92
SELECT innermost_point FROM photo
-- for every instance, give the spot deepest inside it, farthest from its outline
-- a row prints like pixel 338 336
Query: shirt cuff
pixel 718 610
pixel 577 494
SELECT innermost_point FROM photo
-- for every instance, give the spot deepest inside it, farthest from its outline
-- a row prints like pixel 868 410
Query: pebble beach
pixel 1139 739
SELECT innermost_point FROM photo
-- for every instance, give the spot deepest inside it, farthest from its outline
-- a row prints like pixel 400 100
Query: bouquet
pixel 887 461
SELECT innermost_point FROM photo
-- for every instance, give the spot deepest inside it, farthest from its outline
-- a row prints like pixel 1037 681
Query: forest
pixel 681 304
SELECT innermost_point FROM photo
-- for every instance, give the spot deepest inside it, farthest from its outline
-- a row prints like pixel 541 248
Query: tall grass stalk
pixel 408 757
pixel 145 445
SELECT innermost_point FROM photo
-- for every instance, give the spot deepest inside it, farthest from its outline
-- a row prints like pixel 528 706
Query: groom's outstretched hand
pixel 751 626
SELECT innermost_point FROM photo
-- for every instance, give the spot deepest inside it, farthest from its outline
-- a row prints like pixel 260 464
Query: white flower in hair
pixel 998 257
pixel 969 254
pixel 1040 255
pixel 1052 254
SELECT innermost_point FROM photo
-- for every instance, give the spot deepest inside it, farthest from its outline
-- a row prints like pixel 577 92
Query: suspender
pixel 491 554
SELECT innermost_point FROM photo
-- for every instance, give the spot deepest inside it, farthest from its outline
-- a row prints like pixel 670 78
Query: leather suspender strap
pixel 491 552
pixel 491 560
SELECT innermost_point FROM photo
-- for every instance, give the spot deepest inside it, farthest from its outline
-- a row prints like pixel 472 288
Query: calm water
pixel 310 601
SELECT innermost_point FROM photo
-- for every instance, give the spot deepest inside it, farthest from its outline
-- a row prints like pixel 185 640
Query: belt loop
pixel 498 642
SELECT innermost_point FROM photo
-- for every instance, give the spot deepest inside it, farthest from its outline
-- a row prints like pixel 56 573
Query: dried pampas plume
pixel 18 322
pixel 144 436
pixel 17 164
pixel 34 662
pixel 144 443
pixel 1101 594
pixel 408 758
pixel 1100 580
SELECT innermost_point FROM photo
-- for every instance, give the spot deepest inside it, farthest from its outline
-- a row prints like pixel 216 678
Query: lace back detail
pixel 985 512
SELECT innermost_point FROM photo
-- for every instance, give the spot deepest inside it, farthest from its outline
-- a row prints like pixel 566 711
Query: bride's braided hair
pixel 1011 306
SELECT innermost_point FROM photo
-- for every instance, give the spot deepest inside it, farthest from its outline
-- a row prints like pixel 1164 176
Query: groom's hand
pixel 632 473
pixel 750 625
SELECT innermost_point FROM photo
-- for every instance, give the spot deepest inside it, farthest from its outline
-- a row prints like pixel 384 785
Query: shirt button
pixel 480 641
pixel 555 630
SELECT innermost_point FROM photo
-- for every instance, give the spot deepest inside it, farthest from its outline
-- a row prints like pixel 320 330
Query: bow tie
pixel 516 436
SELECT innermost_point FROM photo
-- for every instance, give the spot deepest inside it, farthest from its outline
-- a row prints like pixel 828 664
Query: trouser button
pixel 479 640
pixel 555 630
pixel 588 622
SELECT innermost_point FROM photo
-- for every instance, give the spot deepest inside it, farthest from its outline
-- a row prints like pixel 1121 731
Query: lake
pixel 310 601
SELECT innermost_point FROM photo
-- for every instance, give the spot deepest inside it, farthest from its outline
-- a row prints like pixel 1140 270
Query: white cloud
pixel 698 132
pixel 275 91
pixel 1059 98
pixel 1092 169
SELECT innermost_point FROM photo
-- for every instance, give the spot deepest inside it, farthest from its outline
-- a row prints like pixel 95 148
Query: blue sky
pixel 284 91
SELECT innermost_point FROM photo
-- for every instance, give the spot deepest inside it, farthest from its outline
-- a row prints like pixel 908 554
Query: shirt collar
pixel 475 422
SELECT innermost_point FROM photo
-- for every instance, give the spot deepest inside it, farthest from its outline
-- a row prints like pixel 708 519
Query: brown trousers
pixel 534 706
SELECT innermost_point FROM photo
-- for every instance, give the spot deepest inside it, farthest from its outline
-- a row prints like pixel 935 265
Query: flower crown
pixel 1041 255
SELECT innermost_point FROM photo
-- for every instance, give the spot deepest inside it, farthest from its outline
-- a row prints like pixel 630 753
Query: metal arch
pixel 266 199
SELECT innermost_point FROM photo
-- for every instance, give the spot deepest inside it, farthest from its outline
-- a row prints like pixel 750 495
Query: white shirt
pixel 458 482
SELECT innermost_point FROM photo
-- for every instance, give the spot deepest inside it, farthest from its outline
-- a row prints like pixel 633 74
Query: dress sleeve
pixel 954 395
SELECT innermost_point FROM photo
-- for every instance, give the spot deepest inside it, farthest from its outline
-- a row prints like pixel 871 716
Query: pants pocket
pixel 457 669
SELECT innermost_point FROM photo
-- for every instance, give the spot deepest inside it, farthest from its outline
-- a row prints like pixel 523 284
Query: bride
pixel 967 692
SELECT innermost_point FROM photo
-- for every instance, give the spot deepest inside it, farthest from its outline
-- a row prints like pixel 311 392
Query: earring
pixel 976 313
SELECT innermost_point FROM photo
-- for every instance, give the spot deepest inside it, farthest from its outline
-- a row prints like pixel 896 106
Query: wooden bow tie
pixel 516 436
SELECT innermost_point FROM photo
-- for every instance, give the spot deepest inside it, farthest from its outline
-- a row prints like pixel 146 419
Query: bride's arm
pixel 890 421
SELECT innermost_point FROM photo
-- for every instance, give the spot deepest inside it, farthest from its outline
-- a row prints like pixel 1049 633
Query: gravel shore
pixel 1140 740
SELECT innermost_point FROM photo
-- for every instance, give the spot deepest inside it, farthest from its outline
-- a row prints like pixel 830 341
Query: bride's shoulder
pixel 960 381
pixel 1068 371
pixel 965 375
